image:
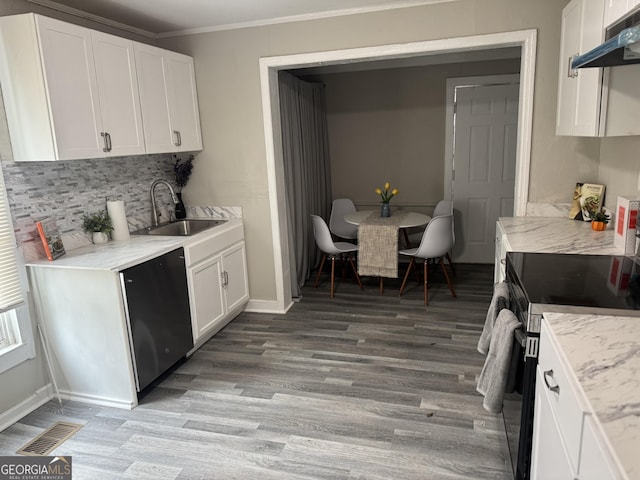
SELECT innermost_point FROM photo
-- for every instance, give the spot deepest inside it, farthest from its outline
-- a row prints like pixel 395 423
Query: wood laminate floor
pixel 362 386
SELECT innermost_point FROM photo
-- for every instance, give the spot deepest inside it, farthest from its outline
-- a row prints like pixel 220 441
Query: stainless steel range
pixel 595 284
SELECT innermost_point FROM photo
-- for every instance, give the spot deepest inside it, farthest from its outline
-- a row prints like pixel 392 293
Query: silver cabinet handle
pixel 572 72
pixel 178 138
pixel 104 139
pixel 553 387
pixel 109 146
pixel 225 279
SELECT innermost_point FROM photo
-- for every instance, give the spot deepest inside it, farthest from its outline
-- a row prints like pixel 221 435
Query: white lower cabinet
pixel 567 444
pixel 218 285
pixel 550 459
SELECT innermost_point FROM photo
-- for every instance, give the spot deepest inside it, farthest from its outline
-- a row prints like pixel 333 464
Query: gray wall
pixel 390 125
pixel 227 70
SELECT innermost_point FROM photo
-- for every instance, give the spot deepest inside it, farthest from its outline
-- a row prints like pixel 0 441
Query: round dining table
pixel 410 219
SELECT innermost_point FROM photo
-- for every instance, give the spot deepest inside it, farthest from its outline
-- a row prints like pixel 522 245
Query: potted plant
pixel 182 171
pixel 599 220
pixel 98 225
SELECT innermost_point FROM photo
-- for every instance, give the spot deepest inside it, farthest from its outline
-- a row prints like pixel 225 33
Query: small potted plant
pixel 599 220
pixel 98 225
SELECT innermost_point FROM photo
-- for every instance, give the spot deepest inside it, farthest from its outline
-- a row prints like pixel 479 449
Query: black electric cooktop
pixel 597 282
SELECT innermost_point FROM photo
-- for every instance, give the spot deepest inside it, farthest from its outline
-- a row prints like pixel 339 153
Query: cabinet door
pixel 118 91
pixel 595 463
pixel 616 9
pixel 207 301
pixel 549 459
pixel 69 69
pixel 579 91
pixel 236 285
pixel 183 102
pixel 154 101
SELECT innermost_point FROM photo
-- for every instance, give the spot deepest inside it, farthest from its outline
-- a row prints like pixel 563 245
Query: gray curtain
pixel 307 172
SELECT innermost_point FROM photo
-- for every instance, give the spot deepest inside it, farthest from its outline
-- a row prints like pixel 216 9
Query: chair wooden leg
pixel 333 271
pixel 426 287
pixel 324 257
pixel 406 238
pixel 453 292
pixel 453 270
pixel 406 275
pixel 355 270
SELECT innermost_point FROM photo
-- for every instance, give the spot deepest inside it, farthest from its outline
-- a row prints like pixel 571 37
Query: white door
pixel 484 160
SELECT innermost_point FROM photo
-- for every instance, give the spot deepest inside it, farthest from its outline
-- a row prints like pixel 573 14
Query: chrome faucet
pixel 154 211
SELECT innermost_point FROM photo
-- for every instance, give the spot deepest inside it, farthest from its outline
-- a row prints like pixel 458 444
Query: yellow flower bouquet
pixel 385 194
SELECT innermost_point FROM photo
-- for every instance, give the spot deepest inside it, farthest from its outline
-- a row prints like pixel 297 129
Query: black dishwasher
pixel 157 302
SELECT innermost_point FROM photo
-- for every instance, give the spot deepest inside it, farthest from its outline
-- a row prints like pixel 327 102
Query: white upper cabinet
pixel 70 92
pixel 579 91
pixel 614 10
pixel 169 100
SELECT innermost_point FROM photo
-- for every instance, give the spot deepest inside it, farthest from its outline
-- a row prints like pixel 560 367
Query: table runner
pixel 378 245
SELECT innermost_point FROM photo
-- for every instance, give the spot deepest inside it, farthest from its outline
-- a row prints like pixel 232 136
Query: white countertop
pixel 557 235
pixel 118 255
pixel 604 355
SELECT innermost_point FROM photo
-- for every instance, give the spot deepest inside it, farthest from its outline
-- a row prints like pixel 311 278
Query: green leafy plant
pixel 97 222
pixel 599 216
pixel 182 170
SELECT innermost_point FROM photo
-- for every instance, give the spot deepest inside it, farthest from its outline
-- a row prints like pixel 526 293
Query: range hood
pixel 622 49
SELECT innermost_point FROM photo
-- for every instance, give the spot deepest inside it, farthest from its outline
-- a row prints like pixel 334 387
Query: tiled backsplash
pixel 67 190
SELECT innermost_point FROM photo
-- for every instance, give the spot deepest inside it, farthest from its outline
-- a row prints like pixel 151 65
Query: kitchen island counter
pixel 602 354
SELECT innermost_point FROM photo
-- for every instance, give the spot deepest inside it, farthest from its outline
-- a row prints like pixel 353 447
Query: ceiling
pixel 162 18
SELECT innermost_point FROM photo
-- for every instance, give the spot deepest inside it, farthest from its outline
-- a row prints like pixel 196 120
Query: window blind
pixel 10 288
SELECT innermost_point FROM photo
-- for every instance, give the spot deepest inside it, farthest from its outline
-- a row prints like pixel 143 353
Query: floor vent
pixel 50 439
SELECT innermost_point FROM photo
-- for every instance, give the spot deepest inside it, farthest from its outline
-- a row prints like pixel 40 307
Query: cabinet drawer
pixel 563 396
pixel 200 249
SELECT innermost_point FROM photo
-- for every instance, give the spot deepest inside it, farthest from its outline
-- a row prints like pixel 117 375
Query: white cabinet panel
pixel 549 459
pixel 579 91
pixel 595 463
pixel 72 86
pixel 118 89
pixel 206 289
pixel 236 283
pixel 169 101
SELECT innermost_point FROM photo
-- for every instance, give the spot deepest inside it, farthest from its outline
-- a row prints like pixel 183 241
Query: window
pixel 16 337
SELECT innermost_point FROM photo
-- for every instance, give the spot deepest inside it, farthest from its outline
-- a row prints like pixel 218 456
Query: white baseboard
pixel 24 408
pixel 266 306
pixel 96 400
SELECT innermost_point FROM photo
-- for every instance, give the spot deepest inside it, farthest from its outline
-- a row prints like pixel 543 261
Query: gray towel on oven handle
pixel 500 290
pixel 495 373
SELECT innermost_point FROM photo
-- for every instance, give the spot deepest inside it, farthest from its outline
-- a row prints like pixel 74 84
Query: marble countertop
pixel 604 355
pixel 119 255
pixel 557 235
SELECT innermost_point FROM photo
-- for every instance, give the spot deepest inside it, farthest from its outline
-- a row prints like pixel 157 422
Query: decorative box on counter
pixel 626 217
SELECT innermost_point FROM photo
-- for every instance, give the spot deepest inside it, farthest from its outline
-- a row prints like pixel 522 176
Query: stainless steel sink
pixel 180 228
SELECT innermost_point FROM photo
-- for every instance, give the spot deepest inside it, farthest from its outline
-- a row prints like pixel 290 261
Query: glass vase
pixel 385 211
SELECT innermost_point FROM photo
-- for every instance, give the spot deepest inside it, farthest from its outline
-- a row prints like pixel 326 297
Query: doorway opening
pixel 269 67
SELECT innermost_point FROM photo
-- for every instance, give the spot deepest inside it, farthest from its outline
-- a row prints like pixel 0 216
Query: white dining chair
pixel 332 250
pixel 443 207
pixel 437 241
pixel 337 225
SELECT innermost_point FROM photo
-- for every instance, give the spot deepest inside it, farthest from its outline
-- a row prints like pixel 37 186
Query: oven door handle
pixel 553 387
